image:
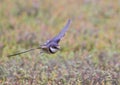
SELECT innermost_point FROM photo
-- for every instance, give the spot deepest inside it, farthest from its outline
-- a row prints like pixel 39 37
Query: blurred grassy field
pixel 90 52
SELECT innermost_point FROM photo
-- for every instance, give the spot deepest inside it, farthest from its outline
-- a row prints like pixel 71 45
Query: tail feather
pixel 23 52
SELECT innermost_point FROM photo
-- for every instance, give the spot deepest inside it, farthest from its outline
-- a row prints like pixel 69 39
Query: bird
pixel 50 46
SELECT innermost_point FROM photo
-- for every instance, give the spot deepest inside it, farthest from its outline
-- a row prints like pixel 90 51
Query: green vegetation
pixel 90 53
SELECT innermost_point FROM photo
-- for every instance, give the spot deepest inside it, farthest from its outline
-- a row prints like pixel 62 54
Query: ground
pixel 90 53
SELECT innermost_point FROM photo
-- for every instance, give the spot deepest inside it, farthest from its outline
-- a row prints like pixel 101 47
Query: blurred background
pixel 90 51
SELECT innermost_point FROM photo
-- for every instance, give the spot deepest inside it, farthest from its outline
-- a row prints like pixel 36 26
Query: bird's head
pixel 51 48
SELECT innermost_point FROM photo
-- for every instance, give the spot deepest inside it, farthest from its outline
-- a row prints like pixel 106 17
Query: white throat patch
pixel 53 49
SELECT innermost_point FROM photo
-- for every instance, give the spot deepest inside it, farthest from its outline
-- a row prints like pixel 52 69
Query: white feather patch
pixel 53 49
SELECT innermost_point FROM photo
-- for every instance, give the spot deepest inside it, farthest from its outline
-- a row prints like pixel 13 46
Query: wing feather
pixel 62 32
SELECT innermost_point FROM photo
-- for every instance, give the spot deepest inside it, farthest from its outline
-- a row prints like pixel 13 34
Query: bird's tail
pixel 24 51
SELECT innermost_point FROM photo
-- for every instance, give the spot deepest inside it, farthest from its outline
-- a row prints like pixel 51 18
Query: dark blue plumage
pixel 61 34
pixel 51 46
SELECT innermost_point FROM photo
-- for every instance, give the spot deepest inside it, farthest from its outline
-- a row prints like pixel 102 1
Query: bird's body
pixel 51 46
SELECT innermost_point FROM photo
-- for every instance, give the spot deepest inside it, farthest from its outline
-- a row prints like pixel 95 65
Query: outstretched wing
pixel 62 33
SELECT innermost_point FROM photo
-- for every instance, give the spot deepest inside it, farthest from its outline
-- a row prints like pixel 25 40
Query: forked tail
pixel 23 52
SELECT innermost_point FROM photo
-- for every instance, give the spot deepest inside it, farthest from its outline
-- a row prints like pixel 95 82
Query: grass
pixel 90 53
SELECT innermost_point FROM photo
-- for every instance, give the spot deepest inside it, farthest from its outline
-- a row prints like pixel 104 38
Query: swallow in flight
pixel 52 45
